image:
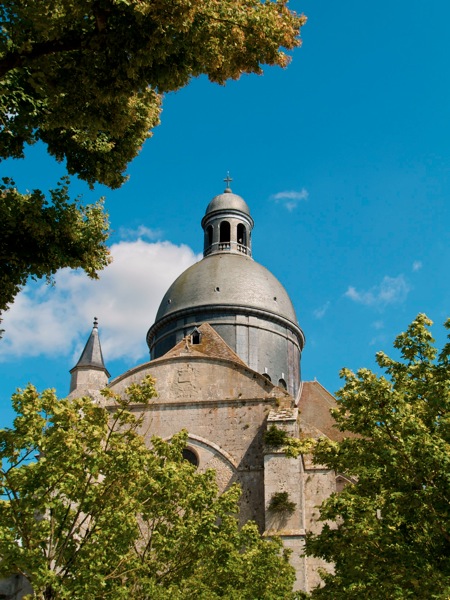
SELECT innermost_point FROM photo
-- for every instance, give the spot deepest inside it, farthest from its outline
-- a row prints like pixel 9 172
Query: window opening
pixel 195 336
pixel 282 383
pixel 267 376
pixel 209 233
pixel 241 234
pixel 225 232
pixel 190 456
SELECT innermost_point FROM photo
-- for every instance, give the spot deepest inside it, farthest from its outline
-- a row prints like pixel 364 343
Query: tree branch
pixel 13 60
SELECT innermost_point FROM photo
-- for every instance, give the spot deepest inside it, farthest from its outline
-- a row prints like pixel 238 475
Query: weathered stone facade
pixel 226 408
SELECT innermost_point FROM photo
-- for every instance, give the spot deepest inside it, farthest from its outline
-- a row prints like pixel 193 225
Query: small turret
pixel 227 224
pixel 90 372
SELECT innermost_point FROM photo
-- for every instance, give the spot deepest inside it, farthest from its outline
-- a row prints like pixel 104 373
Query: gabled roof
pixel 92 356
pixel 209 344
pixel 315 404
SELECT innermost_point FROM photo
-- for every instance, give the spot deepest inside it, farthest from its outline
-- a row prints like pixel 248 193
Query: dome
pixel 227 201
pixel 239 298
pixel 227 280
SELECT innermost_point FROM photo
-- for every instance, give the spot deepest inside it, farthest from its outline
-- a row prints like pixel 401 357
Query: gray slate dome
pixel 244 303
pixel 227 201
pixel 227 280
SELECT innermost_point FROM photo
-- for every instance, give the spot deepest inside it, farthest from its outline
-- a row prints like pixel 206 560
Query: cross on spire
pixel 228 180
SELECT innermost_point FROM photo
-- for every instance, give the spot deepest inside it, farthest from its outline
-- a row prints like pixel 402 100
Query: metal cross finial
pixel 228 180
pixel 95 323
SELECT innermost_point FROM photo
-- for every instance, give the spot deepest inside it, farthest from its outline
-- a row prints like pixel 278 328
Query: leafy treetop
pixel 87 76
pixel 100 515
pixel 39 236
pixel 392 538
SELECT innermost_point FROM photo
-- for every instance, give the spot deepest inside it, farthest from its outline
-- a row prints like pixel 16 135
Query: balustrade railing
pixel 224 246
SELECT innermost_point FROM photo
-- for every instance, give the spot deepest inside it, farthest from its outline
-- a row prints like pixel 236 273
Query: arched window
pixel 282 384
pixel 195 336
pixel 225 232
pixel 209 235
pixel 267 376
pixel 241 234
pixel 190 456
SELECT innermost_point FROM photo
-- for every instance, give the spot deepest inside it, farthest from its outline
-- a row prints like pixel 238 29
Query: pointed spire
pixel 90 371
pixel 92 354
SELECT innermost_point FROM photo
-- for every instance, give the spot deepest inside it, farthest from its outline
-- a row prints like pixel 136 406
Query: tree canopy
pixel 86 78
pixel 40 235
pixel 391 537
pixel 100 515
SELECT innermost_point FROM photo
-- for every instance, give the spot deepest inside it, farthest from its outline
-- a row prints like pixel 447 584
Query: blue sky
pixel 344 160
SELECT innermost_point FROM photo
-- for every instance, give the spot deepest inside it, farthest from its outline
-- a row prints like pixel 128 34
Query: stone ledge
pixel 285 533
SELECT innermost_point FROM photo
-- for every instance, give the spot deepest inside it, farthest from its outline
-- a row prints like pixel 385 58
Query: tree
pixel 100 515
pixel 391 532
pixel 86 78
pixel 38 237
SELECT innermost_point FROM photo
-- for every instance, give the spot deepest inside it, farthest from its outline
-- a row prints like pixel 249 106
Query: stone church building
pixel 225 351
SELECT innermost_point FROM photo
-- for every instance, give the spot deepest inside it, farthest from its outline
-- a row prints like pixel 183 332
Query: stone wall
pixel 224 407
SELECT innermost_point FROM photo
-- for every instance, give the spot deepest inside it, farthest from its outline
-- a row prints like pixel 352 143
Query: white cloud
pixel 379 340
pixel 139 233
pixel 321 311
pixel 378 325
pixel 291 199
pixel 56 320
pixel 392 290
pixel 417 265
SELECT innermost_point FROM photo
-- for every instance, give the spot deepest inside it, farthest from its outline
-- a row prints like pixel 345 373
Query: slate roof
pixel 226 202
pixel 227 281
pixel 314 405
pixel 92 356
pixel 210 344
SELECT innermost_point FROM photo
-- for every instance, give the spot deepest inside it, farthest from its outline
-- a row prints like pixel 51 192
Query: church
pixel 225 351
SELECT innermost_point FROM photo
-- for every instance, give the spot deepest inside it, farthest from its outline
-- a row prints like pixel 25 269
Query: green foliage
pixel 392 538
pixel 87 77
pixel 275 437
pixel 280 503
pixel 100 515
pixel 40 236
pixel 292 447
